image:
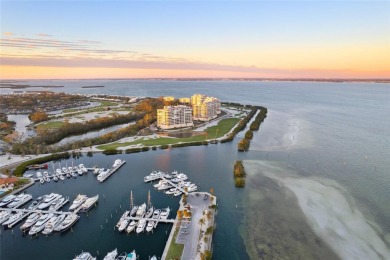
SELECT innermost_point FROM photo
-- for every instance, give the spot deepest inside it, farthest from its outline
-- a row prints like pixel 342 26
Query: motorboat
pixel 47 179
pixel 150 225
pixel 53 223
pixel 8 199
pixel 55 178
pixel 111 255
pixel 4 216
pixel 55 205
pixel 68 175
pixel 133 211
pixel 123 225
pixel 149 213
pixel 78 202
pixel 14 217
pixel 80 172
pixel 61 177
pixel 42 180
pixel 170 192
pixel 45 174
pixel 20 200
pixel 164 186
pixel 84 256
pixel 131 226
pixel 58 171
pixel 31 220
pixel 165 213
pixel 141 211
pixel 122 256
pixel 141 226
pixel 48 200
pixel 69 221
pixel 131 256
pixel 82 168
pixel 117 163
pixel 177 193
pixel 124 215
pixel 156 214
pixel 153 258
pixel 33 205
pixel 192 188
pixel 40 224
pixel 89 203
pixel 103 175
pixel 39 174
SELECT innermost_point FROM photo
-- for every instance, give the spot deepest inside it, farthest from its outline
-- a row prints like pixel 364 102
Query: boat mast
pixel 149 199
pixel 131 200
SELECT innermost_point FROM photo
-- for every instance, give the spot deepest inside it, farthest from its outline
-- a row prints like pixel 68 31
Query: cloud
pixel 8 34
pixel 44 35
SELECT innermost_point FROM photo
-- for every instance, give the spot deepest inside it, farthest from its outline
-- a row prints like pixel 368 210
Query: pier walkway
pixel 38 211
pixel 152 219
pixel 111 172
pixel 154 178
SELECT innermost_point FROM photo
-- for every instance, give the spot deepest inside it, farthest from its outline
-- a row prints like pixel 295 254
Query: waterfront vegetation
pixel 6 126
pixel 41 101
pixel 243 144
pixel 38 116
pixel 175 250
pixel 50 125
pixel 23 166
pixel 239 174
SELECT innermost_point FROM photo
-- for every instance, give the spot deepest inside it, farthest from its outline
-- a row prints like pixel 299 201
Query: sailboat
pixel 149 213
pixel 132 207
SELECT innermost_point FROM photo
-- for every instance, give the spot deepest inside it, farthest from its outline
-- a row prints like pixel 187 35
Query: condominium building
pixel 174 117
pixel 185 100
pixel 169 98
pixel 205 108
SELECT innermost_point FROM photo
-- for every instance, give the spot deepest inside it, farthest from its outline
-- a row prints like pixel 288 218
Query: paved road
pixel 189 231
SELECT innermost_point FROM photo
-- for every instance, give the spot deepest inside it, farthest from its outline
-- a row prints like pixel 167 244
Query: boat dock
pixel 112 171
pixel 159 177
pixel 152 219
pixel 38 211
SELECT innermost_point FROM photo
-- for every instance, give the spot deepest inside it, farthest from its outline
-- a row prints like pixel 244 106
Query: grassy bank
pixel 175 250
pixel 219 130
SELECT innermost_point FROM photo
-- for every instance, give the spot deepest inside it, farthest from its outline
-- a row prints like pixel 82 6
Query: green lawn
pixel 175 250
pixel 50 125
pixel 223 127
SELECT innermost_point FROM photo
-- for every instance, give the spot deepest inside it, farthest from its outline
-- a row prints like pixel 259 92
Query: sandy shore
pixel 328 209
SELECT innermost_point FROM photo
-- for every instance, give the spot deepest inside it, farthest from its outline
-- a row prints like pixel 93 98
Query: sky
pixel 194 39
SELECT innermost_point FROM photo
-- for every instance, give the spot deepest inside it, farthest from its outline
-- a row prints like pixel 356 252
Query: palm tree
pixel 201 222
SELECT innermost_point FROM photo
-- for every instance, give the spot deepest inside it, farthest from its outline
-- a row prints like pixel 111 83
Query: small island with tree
pixel 239 174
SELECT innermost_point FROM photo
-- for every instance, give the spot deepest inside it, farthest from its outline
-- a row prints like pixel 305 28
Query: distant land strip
pixel 92 86
pixel 16 86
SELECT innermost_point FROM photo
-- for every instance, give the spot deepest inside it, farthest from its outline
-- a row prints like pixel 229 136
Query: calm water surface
pixel 319 140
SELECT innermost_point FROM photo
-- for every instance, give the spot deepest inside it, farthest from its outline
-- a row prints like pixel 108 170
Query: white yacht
pixel 7 200
pixel 55 178
pixel 78 201
pixel 82 168
pixel 165 213
pixel 61 177
pixel 156 214
pixel 141 211
pixel 31 220
pixel 149 213
pixel 89 203
pixel 111 255
pixel 48 200
pixel 131 256
pixel 124 215
pixel 4 216
pixel 133 210
pixel 150 225
pixel 123 225
pixel 141 226
pixel 103 175
pixel 58 171
pixel 14 217
pixel 67 223
pixel 84 256
pixel 131 226
pixel 40 224
pixel 118 162
pixel 177 193
pixel 52 224
pixel 20 200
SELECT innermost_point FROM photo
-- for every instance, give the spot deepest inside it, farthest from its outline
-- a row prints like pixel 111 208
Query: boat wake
pixel 330 211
